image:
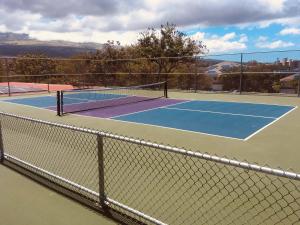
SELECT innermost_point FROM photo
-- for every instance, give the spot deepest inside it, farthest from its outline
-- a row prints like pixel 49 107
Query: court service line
pixel 256 132
pixel 146 110
pixel 222 113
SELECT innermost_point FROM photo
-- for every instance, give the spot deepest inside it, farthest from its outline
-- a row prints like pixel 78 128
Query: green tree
pixel 2 71
pixel 257 77
pixel 34 64
pixel 32 68
pixel 168 47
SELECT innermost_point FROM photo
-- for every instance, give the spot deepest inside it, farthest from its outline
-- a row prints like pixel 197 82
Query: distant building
pixel 284 62
pixel 289 84
pixel 215 72
pixel 292 65
pixel 295 65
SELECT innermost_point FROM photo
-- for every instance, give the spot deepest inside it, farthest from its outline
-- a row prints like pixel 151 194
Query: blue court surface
pixel 234 120
pixel 226 119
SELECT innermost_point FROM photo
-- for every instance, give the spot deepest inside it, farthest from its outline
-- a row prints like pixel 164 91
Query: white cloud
pixel 228 36
pixel 262 39
pixel 94 20
pixel 273 5
pixel 126 38
pixel 218 44
pixel 120 15
pixel 263 42
pixel 243 38
pixel 291 30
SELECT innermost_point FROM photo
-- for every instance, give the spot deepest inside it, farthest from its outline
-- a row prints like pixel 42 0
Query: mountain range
pixel 13 44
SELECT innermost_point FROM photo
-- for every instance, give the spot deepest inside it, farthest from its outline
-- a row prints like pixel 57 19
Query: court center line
pixel 222 113
pixel 146 110
pixel 89 101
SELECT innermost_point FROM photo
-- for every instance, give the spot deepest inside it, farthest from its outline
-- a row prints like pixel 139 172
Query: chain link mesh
pixel 66 153
pixel 170 185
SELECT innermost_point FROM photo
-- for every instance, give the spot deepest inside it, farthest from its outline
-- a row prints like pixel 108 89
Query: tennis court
pixel 156 182
pixel 4 89
pixel 236 120
pixel 25 87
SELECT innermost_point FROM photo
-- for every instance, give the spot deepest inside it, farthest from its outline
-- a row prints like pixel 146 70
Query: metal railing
pixel 152 183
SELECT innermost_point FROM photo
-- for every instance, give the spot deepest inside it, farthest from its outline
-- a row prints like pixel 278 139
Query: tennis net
pixel 70 101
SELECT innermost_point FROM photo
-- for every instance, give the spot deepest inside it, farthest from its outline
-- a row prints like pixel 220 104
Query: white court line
pixel 89 101
pixel 146 110
pixel 218 100
pixel 222 113
pixel 143 124
pixel 167 107
pixel 36 107
pixel 256 132
pixel 170 128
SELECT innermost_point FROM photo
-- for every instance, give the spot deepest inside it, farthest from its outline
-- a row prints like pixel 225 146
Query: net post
pixel 166 89
pixel 61 102
pixel 7 76
pixel 102 195
pixel 241 75
pixel 1 145
pixel 58 102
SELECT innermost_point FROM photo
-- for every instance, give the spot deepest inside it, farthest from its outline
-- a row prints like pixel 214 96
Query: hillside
pixel 12 44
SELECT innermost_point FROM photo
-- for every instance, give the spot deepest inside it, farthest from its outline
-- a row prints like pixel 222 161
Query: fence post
pixel 1 145
pixel 196 82
pixel 159 71
pixel 84 80
pixel 48 83
pixel 7 76
pixel 298 91
pixel 58 103
pixel 241 75
pixel 166 89
pixel 102 196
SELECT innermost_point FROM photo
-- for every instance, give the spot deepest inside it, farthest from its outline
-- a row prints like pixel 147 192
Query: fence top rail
pixel 146 73
pixel 203 55
pixel 176 150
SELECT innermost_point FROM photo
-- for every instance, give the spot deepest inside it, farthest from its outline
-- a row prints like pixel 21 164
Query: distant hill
pixel 12 44
pixel 13 37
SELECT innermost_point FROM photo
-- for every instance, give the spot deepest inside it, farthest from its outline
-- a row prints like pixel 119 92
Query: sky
pixel 223 25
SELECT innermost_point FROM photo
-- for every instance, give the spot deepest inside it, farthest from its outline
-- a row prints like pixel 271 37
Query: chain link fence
pixel 151 183
pixel 268 73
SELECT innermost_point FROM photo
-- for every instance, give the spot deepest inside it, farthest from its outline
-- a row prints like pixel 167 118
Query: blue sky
pixel 223 26
pixel 250 38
